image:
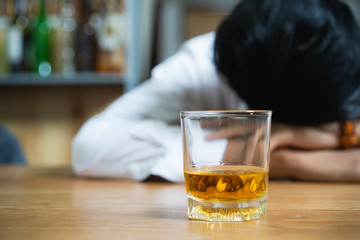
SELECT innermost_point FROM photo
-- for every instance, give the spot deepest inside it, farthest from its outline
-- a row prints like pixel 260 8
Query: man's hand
pixel 304 153
pixel 245 142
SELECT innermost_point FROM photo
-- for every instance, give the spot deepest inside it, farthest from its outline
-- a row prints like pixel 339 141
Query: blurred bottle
pixel 18 36
pixel 29 41
pixel 41 35
pixel 55 37
pixel 85 38
pixel 111 35
pixel 63 36
pixel 4 28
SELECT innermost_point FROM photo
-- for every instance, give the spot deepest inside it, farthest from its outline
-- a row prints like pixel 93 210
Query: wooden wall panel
pixel 199 22
pixel 45 119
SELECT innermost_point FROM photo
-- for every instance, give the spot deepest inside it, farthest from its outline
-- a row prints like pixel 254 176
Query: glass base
pixel 227 211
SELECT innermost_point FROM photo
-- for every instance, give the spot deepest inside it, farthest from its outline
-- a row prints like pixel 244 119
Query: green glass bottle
pixel 41 39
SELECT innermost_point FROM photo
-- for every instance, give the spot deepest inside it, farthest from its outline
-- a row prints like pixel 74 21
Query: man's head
pixel 300 58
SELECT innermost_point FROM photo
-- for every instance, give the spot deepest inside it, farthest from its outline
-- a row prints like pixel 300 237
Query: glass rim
pixel 208 113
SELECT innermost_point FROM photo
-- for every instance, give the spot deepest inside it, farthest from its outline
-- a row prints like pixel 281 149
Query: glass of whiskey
pixel 226 163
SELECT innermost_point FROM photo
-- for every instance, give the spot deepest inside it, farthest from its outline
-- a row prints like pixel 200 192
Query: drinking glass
pixel 226 163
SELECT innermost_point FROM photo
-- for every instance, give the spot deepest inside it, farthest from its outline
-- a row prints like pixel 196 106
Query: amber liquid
pixel 227 193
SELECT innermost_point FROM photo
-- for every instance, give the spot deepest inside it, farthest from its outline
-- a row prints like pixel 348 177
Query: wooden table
pixel 53 204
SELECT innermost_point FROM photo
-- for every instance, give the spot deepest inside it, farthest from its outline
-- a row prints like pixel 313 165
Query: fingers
pixel 301 137
pixel 253 149
pixel 312 138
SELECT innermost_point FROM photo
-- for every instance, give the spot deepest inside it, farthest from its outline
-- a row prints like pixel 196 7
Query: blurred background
pixel 63 61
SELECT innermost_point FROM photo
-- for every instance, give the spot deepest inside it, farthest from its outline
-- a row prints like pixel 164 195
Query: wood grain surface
pixel 53 204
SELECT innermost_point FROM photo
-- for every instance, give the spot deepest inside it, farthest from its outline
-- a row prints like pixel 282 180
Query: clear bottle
pixel 62 47
pixel 111 36
pixel 17 36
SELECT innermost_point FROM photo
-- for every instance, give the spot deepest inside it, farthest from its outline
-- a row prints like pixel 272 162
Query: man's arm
pixel 304 152
pixel 312 153
pixel 321 165
pixel 305 137
pixel 139 135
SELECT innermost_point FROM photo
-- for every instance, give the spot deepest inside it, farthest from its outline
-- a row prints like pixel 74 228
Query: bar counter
pixel 43 203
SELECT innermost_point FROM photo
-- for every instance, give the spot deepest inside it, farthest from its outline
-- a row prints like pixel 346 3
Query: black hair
pixel 299 58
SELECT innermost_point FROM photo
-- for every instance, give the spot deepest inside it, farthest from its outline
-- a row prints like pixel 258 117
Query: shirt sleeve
pixel 139 134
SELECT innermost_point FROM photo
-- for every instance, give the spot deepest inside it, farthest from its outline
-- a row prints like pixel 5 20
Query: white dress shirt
pixel 139 135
